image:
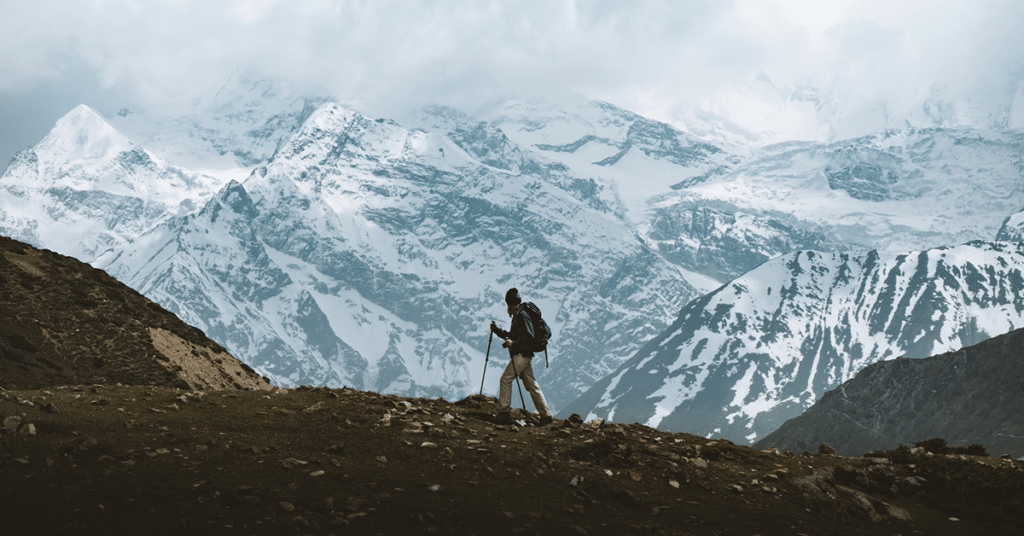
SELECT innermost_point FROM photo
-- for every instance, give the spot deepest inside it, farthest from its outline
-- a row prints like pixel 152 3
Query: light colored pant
pixel 524 366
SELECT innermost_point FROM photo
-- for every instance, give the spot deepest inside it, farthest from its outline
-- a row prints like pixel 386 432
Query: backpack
pixel 541 330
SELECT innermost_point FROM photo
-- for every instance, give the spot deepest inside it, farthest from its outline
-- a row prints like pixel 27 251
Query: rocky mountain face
pixel 895 191
pixel 67 323
pixel 740 361
pixel 974 395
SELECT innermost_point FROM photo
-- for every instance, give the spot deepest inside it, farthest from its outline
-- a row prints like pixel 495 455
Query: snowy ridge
pixel 893 191
pixel 86 188
pixel 740 361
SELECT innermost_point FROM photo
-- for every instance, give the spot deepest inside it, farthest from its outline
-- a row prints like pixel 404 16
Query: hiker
pixel 518 340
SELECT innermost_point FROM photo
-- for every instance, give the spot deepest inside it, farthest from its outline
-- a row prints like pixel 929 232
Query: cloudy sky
pixel 660 58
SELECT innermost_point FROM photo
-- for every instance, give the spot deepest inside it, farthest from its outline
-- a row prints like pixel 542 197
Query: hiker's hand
pixel 507 343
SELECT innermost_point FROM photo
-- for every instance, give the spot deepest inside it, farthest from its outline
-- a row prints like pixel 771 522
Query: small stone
pixel 634 476
pixel 286 506
pixel 317 473
pixel 673 483
pixel 435 488
pixel 29 429
pixel 699 462
pixel 292 462
pixel 428 445
pixel 382 459
pixel 12 423
pixel 737 488
pixel 826 449
pixel 315 407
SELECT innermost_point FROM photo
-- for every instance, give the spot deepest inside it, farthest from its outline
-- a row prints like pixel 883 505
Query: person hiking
pixel 518 340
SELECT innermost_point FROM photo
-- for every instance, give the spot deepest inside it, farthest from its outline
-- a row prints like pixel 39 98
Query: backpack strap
pixel 546 364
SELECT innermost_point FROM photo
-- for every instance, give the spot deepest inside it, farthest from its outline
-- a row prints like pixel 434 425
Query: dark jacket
pixel 520 335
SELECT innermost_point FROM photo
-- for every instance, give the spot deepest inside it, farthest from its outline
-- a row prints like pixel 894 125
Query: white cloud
pixel 657 56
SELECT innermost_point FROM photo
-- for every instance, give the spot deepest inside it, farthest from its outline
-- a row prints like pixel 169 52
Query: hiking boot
pixel 546 420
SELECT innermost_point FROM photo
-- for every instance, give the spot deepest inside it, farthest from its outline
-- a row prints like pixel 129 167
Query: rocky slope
pixel 156 460
pixel 742 360
pixel 974 395
pixel 65 322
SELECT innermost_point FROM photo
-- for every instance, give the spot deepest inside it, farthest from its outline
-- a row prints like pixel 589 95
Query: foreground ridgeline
pixel 101 459
pixel 65 322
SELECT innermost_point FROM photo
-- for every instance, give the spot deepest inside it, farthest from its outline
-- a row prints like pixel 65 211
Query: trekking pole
pixel 519 385
pixel 486 359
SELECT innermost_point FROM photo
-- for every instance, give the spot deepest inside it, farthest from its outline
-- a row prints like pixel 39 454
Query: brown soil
pixel 158 460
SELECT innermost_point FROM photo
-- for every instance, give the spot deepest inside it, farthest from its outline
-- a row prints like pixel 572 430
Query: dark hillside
pixel 63 322
pixel 972 396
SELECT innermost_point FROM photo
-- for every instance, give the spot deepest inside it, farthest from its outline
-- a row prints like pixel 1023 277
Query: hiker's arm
pixel 498 331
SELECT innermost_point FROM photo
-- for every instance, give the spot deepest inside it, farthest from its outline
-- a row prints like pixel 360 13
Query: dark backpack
pixel 541 330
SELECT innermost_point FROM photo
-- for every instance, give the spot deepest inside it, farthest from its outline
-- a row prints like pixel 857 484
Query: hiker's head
pixel 512 300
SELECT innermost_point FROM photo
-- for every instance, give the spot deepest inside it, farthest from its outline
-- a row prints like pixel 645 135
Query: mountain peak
pixel 83 134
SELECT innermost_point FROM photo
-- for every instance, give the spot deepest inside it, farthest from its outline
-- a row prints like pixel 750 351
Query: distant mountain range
pixel 322 246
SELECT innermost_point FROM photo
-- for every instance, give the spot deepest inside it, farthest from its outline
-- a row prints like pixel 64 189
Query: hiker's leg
pixel 505 387
pixel 525 367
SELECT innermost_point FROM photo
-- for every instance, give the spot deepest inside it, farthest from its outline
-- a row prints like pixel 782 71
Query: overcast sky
pixel 655 57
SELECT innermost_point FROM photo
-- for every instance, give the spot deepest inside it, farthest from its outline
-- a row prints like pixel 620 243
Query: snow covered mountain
pixel 722 210
pixel 86 188
pixel 368 255
pixel 740 361
pixel 325 247
pixel 893 191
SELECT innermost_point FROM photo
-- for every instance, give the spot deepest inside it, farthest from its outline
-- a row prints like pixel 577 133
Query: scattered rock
pixel 826 449
pixel 910 485
pixel 699 462
pixel 315 407
pixel 11 424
